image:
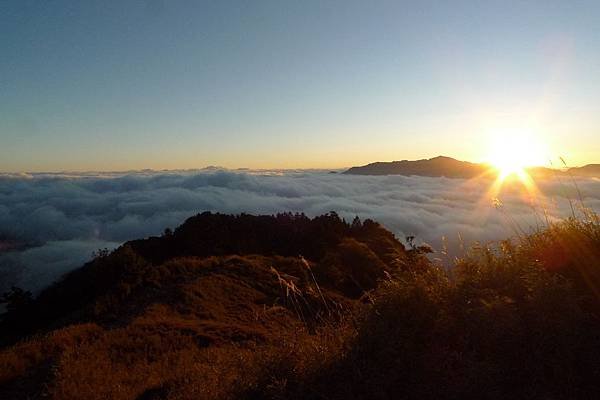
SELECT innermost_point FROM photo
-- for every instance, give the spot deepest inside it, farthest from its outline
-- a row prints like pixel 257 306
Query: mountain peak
pixel 434 167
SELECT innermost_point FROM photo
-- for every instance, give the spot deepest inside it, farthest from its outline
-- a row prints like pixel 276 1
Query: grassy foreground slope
pixel 287 307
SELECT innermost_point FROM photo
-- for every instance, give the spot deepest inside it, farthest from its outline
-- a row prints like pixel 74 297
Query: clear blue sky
pixel 112 85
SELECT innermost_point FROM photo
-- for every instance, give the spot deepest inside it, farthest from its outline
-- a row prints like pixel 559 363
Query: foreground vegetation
pixel 289 307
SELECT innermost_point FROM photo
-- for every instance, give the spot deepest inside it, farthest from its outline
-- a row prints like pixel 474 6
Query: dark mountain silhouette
pixel 437 166
pixel 451 168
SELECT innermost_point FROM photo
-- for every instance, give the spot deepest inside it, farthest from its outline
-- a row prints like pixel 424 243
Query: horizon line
pixel 241 169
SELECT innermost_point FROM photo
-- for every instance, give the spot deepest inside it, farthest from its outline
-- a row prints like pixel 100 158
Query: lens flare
pixel 511 153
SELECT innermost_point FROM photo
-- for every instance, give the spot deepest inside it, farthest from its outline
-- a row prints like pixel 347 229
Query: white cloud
pixel 65 217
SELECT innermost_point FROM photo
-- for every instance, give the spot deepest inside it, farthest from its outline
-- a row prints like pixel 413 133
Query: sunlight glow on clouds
pixel 63 218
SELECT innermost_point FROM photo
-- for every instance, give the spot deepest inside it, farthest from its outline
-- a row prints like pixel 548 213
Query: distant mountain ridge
pixel 442 166
pixel 592 170
pixel 434 167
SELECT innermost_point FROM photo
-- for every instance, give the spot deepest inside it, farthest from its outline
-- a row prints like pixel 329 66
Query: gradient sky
pixel 113 85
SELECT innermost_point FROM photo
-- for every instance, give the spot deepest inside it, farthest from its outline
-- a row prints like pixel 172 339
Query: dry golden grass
pixel 517 320
pixel 207 328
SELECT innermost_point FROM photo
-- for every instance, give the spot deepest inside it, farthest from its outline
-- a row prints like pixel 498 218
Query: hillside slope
pixel 216 281
pixel 289 307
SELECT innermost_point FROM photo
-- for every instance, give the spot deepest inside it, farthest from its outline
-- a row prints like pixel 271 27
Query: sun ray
pixel 511 152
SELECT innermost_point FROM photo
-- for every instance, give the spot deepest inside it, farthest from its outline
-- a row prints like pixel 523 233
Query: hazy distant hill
pixel 592 170
pixel 452 168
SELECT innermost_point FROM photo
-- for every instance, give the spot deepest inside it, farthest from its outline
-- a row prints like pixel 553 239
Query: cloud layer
pixel 63 218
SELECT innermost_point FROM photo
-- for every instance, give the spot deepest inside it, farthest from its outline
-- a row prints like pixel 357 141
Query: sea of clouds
pixel 59 220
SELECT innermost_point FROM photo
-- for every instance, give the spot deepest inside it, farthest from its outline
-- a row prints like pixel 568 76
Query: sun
pixel 511 152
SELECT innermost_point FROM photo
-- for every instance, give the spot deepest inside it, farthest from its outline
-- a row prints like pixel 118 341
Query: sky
pixel 279 84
